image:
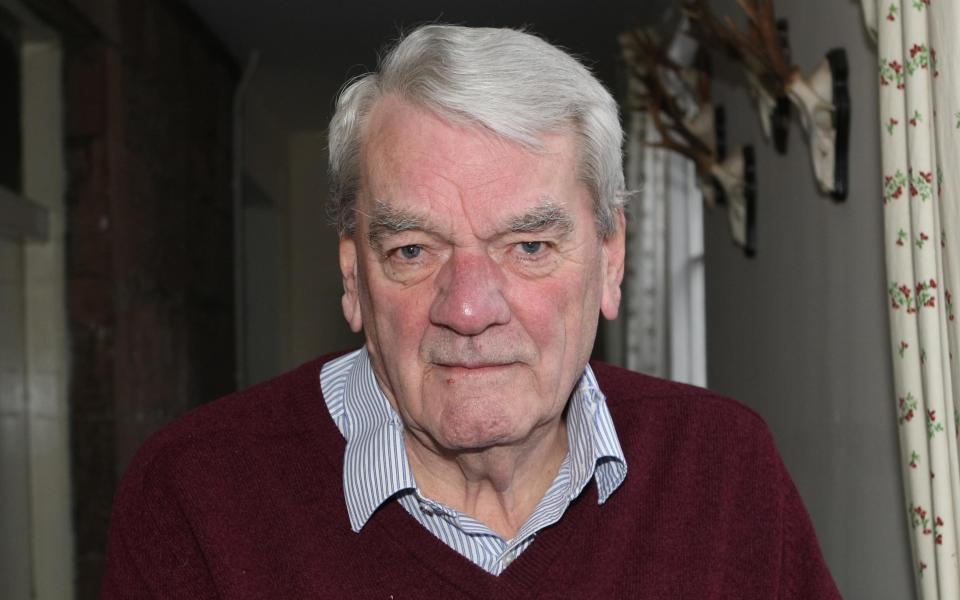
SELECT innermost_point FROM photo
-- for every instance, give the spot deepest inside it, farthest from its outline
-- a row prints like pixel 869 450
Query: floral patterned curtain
pixel 919 60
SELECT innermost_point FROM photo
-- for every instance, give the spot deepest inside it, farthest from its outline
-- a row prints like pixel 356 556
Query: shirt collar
pixel 375 465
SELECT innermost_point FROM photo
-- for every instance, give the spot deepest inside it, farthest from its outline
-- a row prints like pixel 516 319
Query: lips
pixel 468 356
pixel 474 366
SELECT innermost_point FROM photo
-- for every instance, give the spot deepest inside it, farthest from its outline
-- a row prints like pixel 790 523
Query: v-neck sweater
pixel 376 467
pixel 243 498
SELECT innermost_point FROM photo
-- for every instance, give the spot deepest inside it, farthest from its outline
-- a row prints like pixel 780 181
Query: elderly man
pixel 469 449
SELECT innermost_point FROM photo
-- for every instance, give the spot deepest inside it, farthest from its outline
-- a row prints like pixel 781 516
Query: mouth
pixel 473 367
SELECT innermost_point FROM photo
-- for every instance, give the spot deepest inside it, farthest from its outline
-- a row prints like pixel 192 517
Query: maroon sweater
pixel 243 498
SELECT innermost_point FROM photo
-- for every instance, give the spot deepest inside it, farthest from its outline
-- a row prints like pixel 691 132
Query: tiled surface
pixel 11 326
pixel 52 529
pixel 47 255
pixel 14 509
pixel 15 562
pixel 46 395
pixel 11 334
pixel 45 314
pixel 12 400
pixel 40 430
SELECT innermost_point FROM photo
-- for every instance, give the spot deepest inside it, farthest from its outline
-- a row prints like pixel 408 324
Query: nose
pixel 469 294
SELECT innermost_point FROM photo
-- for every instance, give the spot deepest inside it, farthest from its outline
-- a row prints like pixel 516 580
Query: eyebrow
pixel 387 220
pixel 547 215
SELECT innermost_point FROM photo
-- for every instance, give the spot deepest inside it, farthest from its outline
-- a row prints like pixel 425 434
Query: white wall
pixel 800 332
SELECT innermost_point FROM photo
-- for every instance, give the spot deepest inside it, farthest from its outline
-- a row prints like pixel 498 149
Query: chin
pixel 465 431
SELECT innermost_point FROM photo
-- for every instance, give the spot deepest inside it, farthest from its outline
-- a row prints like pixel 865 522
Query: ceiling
pixel 343 38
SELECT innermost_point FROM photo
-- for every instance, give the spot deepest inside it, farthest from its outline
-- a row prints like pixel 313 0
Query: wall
pixel 262 261
pixel 292 273
pixel 800 332
pixel 36 530
pixel 149 98
pixel 48 363
pixel 318 325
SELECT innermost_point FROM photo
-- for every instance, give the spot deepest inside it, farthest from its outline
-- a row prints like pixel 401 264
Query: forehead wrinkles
pixel 427 162
pixel 414 141
pixel 451 173
pixel 420 191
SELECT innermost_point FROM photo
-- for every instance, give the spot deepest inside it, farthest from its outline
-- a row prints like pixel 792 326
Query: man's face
pixel 477 274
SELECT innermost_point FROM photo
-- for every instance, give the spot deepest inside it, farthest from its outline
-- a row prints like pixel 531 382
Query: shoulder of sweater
pixel 631 392
pixel 287 406
pixel 689 432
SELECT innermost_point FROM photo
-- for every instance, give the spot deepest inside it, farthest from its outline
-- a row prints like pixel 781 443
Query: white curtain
pixel 661 330
pixel 644 320
pixel 919 82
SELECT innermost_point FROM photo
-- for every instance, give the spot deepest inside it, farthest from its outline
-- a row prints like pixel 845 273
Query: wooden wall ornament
pixel 782 113
pixel 737 178
pixel 713 193
pixel 821 99
pixel 720 124
pixel 774 111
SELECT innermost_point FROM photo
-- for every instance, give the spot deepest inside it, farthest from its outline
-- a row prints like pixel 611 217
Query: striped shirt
pixel 376 469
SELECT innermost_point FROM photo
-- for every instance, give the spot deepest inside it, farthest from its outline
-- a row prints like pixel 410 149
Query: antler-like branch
pixel 665 113
pixel 758 48
pixel 700 155
pixel 763 27
pixel 704 71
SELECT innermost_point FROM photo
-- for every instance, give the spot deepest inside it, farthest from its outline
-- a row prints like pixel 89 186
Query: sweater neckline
pixel 520 579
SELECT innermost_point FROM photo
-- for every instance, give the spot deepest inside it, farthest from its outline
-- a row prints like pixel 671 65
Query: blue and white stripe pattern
pixel 375 466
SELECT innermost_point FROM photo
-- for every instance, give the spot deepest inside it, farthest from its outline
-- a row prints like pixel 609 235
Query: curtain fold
pixel 661 330
pixel 645 286
pixel 920 120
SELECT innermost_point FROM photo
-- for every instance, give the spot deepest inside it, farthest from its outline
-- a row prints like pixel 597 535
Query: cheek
pixel 561 315
pixel 395 324
pixel 399 317
pixel 542 308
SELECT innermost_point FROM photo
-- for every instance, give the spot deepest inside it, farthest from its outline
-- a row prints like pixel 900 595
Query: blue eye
pixel 531 247
pixel 410 252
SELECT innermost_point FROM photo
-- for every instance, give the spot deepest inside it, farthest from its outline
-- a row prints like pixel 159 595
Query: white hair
pixel 510 82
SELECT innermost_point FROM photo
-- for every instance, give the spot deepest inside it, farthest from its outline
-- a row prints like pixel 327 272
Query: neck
pixel 499 486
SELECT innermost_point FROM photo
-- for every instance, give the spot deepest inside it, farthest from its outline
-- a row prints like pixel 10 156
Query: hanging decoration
pixel 676 99
pixel 821 98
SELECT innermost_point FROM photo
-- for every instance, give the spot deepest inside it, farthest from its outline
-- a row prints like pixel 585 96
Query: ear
pixel 351 291
pixel 614 250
